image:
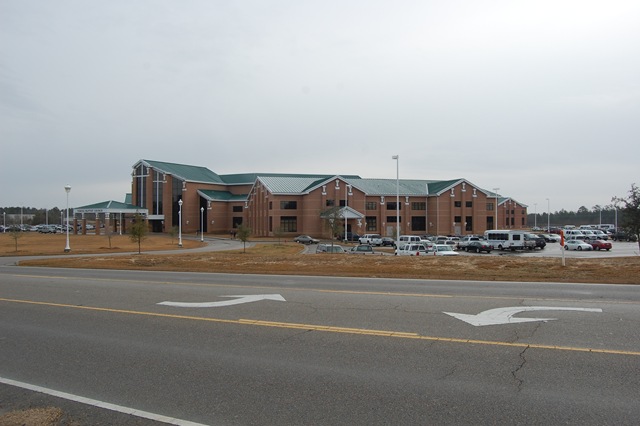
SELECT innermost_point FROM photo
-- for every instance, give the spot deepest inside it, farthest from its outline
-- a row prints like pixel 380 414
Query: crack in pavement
pixel 514 373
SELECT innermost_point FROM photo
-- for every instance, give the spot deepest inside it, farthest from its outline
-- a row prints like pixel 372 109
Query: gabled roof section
pixel 437 187
pixel 212 195
pixel 289 184
pixel 388 187
pixel 345 213
pixel 184 171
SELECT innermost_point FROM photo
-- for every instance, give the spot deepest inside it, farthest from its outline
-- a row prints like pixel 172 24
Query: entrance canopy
pixel 344 213
pixel 109 207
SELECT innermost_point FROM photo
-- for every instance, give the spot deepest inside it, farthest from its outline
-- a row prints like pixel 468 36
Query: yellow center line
pixel 332 329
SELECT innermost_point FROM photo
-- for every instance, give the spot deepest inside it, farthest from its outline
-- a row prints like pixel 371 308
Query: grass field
pixel 287 259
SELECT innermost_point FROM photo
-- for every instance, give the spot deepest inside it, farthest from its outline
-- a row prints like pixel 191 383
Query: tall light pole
pixel 201 224
pixel 495 191
pixel 180 222
pixel 548 216
pixel 4 222
pixel 397 158
pixel 535 215
pixel 347 192
pixel 67 188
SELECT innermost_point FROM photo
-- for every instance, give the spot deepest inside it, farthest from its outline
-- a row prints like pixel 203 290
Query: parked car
pixel 362 249
pixel 539 242
pixel 577 245
pixel 412 249
pixel 550 238
pixel 443 250
pixel 388 242
pixel 464 241
pixel 621 235
pixel 372 239
pixel 47 229
pixel 350 237
pixel 600 235
pixel 600 245
pixel 478 246
pixel 328 248
pixel 305 239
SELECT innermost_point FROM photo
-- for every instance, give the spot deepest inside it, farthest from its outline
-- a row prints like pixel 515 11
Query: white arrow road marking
pixel 247 298
pixel 505 315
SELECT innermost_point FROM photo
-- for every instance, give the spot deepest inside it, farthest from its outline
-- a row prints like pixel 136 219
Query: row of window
pixel 373 205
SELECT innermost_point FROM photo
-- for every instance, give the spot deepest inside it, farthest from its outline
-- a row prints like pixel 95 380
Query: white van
pixel 506 239
pixel 404 239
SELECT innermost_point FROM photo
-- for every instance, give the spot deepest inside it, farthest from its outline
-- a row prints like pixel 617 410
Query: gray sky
pixel 539 98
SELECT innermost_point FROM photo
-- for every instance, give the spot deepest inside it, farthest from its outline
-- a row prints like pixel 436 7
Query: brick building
pixel 292 204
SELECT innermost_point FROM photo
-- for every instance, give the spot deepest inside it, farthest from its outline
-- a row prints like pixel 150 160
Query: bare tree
pixel 278 233
pixel 333 222
pixel 15 234
pixel 243 234
pixel 138 230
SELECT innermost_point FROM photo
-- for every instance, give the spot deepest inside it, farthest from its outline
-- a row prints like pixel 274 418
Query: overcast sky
pixel 538 98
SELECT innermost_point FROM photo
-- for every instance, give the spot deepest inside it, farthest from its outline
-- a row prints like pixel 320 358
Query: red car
pixel 600 245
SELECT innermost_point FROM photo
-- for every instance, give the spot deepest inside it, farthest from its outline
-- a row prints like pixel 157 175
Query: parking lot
pixel 620 249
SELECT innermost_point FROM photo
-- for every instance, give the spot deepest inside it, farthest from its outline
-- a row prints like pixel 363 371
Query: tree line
pixel 583 216
pixel 33 215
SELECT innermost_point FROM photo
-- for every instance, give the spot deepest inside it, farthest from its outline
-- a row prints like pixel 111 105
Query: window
pixel 371 205
pixel 489 222
pixel 393 206
pixel 237 221
pixel 158 187
pixel 468 203
pixel 237 209
pixel 391 219
pixel 372 223
pixel 418 206
pixel 418 223
pixel 288 205
pixel 468 223
pixel 330 203
pixel 289 223
pixel 457 219
pixel 489 206
pixel 457 203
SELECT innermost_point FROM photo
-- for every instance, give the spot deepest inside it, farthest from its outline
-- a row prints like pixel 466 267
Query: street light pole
pixel 67 248
pixel 535 215
pixel 397 158
pixel 201 224
pixel 548 216
pixel 180 222
pixel 495 191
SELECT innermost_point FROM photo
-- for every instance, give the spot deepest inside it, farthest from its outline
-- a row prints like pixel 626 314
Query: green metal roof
pixel 185 172
pixel 437 186
pixel 213 195
pixel 250 178
pixel 108 207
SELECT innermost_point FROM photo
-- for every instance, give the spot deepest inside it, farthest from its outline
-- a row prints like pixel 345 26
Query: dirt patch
pixel 48 416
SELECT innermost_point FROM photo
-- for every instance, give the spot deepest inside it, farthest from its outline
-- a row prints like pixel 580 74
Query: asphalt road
pixel 333 351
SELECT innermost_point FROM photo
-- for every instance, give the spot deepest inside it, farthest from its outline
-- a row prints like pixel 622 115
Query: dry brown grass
pixel 287 259
pixel 35 244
